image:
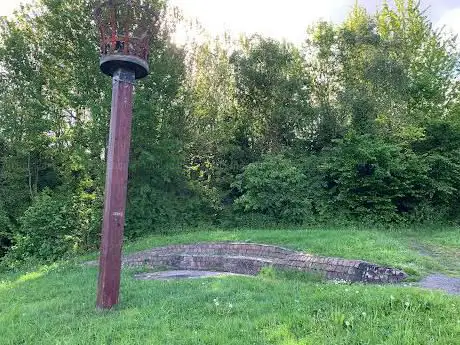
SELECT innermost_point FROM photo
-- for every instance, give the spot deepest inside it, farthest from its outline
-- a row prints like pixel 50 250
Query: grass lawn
pixel 55 304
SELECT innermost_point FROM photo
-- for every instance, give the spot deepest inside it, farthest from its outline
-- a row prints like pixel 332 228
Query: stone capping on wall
pixel 250 258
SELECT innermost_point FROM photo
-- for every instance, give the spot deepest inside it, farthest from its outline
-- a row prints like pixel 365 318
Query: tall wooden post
pixel 115 189
pixel 126 29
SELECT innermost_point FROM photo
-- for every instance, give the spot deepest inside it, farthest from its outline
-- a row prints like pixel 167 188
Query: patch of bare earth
pixel 441 282
pixel 447 258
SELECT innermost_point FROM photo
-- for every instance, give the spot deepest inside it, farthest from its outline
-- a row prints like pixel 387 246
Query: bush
pixel 45 231
pixel 374 180
pixel 273 187
pixel 87 206
pixel 55 225
pixel 440 149
pixel 151 210
pixel 6 232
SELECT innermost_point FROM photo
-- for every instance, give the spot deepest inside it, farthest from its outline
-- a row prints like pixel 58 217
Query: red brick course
pixel 245 258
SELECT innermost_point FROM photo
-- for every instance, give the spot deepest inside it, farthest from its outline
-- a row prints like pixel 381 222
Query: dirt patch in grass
pixel 183 274
pixel 441 282
pixel 449 259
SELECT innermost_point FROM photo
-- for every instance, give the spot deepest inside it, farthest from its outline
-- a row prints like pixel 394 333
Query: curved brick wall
pixel 245 258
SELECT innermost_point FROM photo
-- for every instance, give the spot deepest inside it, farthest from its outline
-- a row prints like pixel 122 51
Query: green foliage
pixel 267 272
pixel 54 112
pixel 156 179
pixel 368 178
pixel 55 225
pixel 46 229
pixel 440 147
pixel 272 88
pixel 87 206
pixel 275 187
pixel 6 232
pixel 153 210
pixel 359 124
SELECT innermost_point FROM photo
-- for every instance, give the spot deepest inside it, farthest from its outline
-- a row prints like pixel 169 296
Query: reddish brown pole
pixel 115 189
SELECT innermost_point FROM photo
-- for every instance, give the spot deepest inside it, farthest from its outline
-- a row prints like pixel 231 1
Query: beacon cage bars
pixel 126 28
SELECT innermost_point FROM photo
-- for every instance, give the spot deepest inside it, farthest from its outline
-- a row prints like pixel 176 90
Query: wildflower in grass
pixel 340 282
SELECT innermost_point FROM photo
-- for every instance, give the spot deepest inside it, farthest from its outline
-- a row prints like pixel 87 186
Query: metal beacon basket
pixel 126 28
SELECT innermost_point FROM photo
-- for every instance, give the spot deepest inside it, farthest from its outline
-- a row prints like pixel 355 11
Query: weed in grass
pixel 270 272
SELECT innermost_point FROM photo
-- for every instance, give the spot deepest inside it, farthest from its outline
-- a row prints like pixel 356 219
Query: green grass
pixel 56 304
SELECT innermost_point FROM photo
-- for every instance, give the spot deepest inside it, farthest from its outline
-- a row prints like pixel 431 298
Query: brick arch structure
pixel 248 258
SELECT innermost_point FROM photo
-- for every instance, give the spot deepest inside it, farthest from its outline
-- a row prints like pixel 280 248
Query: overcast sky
pixel 283 19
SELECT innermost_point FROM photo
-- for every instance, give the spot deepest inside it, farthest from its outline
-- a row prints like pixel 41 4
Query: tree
pixel 273 93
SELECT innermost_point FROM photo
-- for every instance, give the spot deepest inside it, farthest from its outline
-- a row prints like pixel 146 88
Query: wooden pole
pixel 115 189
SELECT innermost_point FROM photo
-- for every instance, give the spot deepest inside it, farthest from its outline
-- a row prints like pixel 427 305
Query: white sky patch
pixel 8 6
pixel 288 19
pixel 451 21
